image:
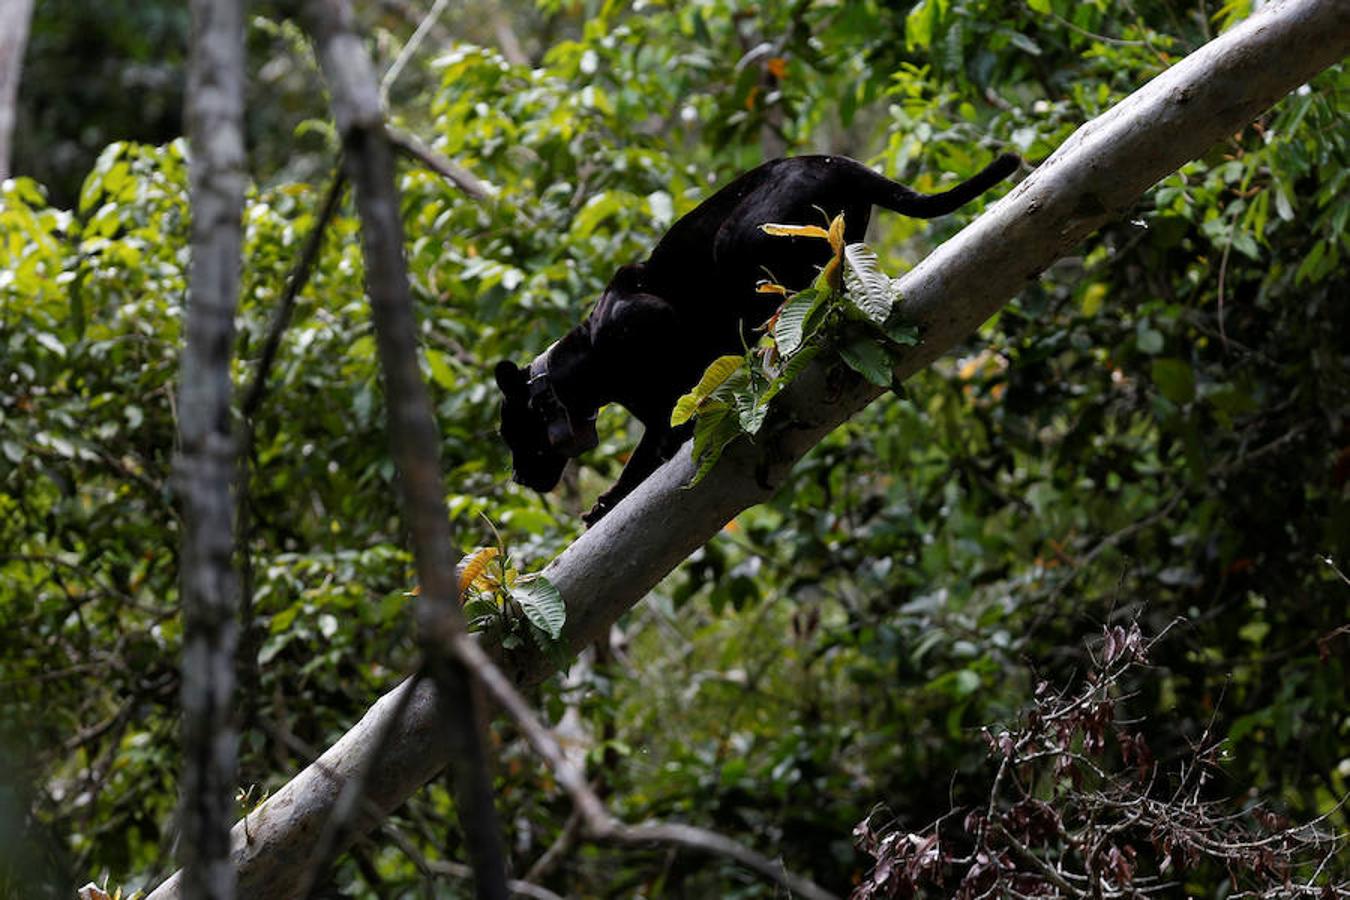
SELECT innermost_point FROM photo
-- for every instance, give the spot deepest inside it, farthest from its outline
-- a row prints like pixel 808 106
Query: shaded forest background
pixel 1153 431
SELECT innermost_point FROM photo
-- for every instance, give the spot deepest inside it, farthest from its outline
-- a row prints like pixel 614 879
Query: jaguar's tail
pixel 895 196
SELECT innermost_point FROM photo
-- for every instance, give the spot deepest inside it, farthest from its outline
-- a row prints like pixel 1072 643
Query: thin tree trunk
pixel 369 160
pixel 206 467
pixel 15 16
pixel 1094 177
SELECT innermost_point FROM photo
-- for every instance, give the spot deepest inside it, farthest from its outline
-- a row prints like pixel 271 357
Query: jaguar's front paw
pixel 596 512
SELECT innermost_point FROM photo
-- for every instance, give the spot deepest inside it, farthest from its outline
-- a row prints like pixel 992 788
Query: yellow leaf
pixel 718 371
pixel 684 410
pixel 836 235
pixel 476 565
pixel 768 287
pixel 814 231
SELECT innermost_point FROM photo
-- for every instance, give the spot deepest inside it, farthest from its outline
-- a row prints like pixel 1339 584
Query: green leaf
pixel 282 620
pixel 906 334
pixel 1284 207
pixel 790 371
pixel 868 359
pixel 601 207
pixel 441 373
pixel 51 342
pixel 479 613
pixel 921 23
pixel 718 371
pixel 1023 42
pixel 1254 631
pixel 1149 340
pixel 92 189
pixel 541 603
pixel 787 331
pixel 1175 379
pixel 750 412
pixel 1232 400
pixel 712 433
pixel 866 285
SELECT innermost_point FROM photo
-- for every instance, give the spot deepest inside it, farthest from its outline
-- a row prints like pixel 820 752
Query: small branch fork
pixel 596 820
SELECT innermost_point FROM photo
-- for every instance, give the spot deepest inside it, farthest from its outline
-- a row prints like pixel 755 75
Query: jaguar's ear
pixel 510 378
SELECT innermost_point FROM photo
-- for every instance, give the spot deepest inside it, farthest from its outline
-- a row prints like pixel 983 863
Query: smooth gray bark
pixel 15 16
pixel 1094 177
pixel 206 468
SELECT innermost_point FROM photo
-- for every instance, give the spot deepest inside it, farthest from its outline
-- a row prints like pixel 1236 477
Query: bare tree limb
pixel 295 283
pixel 507 40
pixel 206 468
pixel 414 437
pixel 410 49
pixel 558 850
pixel 445 868
pixel 599 823
pixel 250 633
pixel 457 175
pixel 1095 176
pixel 351 794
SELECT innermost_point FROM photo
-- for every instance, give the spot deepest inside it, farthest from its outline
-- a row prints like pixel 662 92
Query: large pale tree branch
pixel 1093 178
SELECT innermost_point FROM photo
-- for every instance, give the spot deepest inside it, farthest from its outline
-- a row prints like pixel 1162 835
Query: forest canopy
pixel 1131 483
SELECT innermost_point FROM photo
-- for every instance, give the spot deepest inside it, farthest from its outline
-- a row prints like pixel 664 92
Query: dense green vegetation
pixel 1155 429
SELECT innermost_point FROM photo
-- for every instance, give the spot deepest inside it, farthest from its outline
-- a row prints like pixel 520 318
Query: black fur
pixel 659 323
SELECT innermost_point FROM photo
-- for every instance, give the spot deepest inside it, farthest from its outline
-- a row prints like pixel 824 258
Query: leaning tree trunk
pixel 14 18
pixel 1093 178
pixel 206 468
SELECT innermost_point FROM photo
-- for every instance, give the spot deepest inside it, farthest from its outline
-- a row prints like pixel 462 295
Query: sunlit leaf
pixel 836 234
pixel 813 231
pixel 718 371
pixel 475 565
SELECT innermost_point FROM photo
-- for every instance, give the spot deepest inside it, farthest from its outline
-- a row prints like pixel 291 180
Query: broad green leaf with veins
pixel 870 289
pixel 541 603
pixel 787 330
